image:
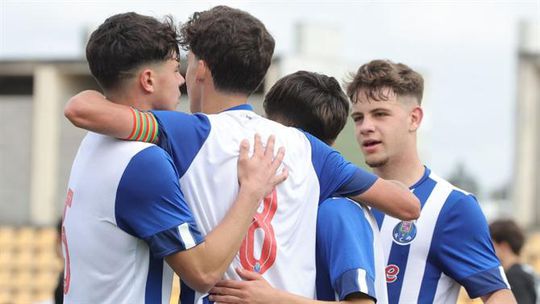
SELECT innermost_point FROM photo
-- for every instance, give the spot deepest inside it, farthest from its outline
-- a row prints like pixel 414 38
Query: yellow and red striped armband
pixel 145 127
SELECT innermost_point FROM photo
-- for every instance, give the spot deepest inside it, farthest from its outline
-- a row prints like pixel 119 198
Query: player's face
pixel 169 81
pixel 191 84
pixel 381 128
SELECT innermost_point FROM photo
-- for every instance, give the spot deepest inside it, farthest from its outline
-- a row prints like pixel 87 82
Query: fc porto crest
pixel 404 232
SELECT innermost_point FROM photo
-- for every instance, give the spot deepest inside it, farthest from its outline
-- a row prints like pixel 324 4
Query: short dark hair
pixel 235 45
pixel 126 41
pixel 310 101
pixel 507 231
pixel 377 75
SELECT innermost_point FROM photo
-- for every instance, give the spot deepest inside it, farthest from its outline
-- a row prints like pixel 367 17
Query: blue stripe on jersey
pixel 336 175
pixel 345 255
pixel 183 134
pixel 187 295
pixel 430 280
pixel 170 241
pixel 149 200
pixel 154 281
pixel 399 254
pixel 484 283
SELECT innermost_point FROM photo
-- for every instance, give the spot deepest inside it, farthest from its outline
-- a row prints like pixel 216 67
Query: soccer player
pixel 229 54
pixel 350 263
pixel 125 214
pixel 449 245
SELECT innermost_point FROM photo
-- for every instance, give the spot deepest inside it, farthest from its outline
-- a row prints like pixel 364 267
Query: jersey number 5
pixel 268 251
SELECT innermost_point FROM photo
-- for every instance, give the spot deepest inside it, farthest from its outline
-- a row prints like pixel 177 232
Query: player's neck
pixel 215 102
pixel 407 169
pixel 129 98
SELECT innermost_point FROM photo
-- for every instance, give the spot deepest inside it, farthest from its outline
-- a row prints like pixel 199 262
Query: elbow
pixel 413 211
pixel 203 282
pixel 73 111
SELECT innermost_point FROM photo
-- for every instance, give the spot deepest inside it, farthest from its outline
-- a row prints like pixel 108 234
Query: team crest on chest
pixel 404 232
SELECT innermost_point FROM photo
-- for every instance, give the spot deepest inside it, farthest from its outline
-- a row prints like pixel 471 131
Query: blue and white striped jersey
pixel 124 213
pixel 280 243
pixel 349 253
pixel 448 246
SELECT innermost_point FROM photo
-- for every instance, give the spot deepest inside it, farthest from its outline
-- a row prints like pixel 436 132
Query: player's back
pixel 103 263
pixel 280 243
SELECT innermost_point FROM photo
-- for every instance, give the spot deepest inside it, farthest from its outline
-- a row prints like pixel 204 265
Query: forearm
pixel 210 259
pixel 222 244
pixel 501 296
pixel 285 297
pixel 91 111
pixel 392 198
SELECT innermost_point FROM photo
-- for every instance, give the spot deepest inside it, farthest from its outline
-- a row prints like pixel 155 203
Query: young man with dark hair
pixel 449 245
pixel 508 240
pixel 312 102
pixel 125 215
pixel 350 264
pixel 204 150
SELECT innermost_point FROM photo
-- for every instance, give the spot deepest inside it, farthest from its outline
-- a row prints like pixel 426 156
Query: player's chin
pixel 376 162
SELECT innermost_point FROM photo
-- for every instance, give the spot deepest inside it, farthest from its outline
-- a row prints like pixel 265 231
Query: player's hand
pixel 257 174
pixel 254 289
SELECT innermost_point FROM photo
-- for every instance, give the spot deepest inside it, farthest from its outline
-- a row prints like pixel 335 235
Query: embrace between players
pixel 247 209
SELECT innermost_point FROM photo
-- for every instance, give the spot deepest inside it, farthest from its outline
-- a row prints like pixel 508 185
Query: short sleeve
pixel 337 176
pixel 464 248
pixel 150 205
pixel 344 250
pixel 182 136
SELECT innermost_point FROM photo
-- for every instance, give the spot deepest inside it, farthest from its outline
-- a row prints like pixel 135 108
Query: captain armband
pixel 145 127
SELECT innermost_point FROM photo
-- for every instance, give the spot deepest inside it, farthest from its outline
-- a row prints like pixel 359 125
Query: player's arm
pixel 338 177
pixel 473 264
pixel 203 266
pixel 90 110
pixel 501 296
pixel 150 206
pixel 256 290
pixel 391 197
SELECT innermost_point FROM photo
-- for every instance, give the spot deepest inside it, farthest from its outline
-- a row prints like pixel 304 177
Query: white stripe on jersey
pixel 447 290
pixel 419 248
pixel 503 275
pixel 167 281
pixel 380 263
pixel 362 281
pixel 186 236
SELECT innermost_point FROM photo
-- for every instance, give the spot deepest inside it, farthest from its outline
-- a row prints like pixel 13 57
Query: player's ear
pixel 202 70
pixel 416 116
pixel 147 80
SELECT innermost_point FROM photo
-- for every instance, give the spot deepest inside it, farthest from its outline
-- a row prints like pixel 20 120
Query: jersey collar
pixel 244 106
pixel 422 179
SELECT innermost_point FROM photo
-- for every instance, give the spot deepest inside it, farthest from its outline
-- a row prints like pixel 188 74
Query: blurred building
pixel 526 188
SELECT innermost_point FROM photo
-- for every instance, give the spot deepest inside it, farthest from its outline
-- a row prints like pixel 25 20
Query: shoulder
pixel 339 205
pixel 150 166
pixel 339 211
pixel 454 197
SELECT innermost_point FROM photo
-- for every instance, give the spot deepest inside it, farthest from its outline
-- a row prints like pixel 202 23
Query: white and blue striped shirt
pixel 124 213
pixel 448 246
pixel 280 244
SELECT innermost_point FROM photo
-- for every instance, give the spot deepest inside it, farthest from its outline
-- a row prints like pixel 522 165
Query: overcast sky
pixel 467 50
